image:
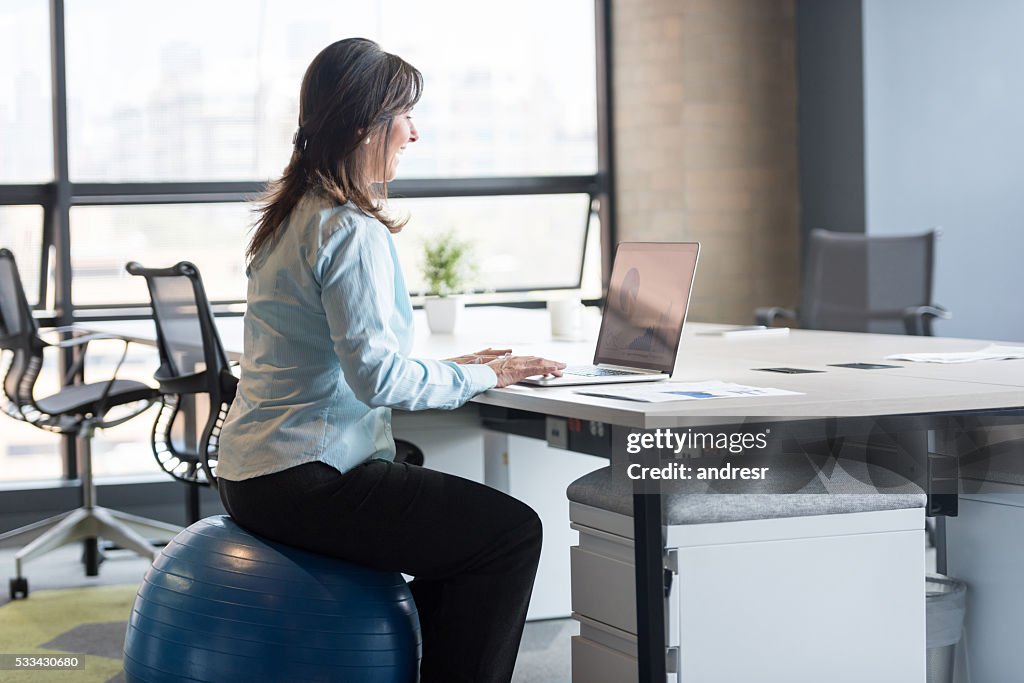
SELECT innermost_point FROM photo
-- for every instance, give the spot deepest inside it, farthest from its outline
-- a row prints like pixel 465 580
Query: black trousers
pixel 472 550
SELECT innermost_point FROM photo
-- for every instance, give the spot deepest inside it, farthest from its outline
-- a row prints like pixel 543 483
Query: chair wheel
pixel 19 588
pixel 92 556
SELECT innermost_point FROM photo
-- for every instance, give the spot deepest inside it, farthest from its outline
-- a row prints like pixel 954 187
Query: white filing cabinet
pixel 829 597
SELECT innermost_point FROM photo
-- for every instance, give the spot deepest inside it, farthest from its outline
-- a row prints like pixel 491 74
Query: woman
pixel 306 453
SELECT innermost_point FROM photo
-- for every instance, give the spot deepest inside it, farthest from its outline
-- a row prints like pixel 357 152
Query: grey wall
pixel 944 145
pixel 831 115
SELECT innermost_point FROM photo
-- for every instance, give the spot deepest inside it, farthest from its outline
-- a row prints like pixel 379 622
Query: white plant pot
pixel 443 313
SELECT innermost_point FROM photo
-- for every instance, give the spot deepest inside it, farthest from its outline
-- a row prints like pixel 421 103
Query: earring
pixel 367 141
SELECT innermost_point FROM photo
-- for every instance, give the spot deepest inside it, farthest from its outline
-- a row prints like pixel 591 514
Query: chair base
pixel 86 523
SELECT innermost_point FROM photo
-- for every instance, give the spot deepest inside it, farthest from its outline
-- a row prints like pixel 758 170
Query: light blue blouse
pixel 328 330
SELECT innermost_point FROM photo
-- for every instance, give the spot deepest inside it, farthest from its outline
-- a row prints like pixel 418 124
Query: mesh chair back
pixel 193 370
pixel 19 336
pixel 15 314
pixel 191 353
pixel 177 316
pixel 857 283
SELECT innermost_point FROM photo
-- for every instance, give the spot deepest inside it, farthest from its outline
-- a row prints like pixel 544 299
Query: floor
pixel 543 654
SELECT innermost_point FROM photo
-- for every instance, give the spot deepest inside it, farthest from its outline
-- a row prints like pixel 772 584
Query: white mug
pixel 566 318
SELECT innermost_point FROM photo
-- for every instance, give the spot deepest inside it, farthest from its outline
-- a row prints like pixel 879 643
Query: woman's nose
pixel 413 134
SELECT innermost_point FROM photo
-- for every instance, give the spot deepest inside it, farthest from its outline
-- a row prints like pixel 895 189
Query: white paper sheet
pixel 661 392
pixel 744 332
pixel 990 352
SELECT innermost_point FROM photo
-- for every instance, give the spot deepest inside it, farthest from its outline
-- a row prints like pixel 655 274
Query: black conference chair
pixel 861 283
pixel 194 376
pixel 77 410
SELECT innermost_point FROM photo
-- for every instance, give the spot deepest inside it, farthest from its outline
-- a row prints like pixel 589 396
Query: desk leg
pixel 496 460
pixel 650 587
pixel 940 545
pixel 944 485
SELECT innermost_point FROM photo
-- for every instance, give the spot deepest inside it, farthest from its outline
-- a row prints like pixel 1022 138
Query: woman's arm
pixel 357 281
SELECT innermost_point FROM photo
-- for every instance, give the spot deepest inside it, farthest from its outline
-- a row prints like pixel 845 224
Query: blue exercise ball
pixel 222 604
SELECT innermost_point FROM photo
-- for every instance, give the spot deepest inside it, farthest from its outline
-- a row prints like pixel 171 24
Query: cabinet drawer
pixel 608 636
pixel 595 663
pixel 603 589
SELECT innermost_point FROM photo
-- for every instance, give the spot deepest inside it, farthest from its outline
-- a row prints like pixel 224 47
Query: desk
pixel 914 388
pixel 915 397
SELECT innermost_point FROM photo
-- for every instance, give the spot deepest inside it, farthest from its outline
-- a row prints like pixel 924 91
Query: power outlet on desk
pixel 556 432
pixel 580 436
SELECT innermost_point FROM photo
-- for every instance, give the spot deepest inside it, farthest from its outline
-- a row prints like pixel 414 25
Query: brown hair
pixel 351 90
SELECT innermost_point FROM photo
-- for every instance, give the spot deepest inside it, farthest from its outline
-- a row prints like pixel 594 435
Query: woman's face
pixel 403 132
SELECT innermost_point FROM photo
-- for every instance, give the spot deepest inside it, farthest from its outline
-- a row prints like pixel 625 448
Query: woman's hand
pixel 485 356
pixel 512 369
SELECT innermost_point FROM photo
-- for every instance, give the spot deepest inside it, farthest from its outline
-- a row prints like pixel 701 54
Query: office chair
pixel 861 283
pixel 78 410
pixel 194 370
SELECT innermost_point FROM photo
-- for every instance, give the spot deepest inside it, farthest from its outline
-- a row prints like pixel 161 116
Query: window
pixel 517 242
pixel 21 231
pixel 509 92
pixel 105 238
pixel 27 453
pixel 167 148
pixel 26 143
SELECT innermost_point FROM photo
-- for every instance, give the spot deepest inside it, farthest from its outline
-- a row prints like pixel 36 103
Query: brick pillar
pixel 706 143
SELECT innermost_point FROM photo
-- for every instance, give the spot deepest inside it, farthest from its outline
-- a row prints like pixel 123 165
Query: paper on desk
pixel 990 352
pixel 662 392
pixel 744 332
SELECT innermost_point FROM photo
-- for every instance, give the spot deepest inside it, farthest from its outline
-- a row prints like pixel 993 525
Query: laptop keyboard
pixel 594 371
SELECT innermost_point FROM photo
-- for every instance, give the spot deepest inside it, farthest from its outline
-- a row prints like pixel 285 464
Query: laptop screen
pixel 646 306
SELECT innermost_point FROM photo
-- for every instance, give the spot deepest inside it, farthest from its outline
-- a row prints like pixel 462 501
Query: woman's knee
pixel 518 527
pixel 535 527
pixel 531 530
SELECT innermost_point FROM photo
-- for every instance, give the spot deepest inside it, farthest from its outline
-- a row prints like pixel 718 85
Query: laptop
pixel 642 325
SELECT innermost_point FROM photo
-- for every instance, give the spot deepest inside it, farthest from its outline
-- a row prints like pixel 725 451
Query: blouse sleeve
pixel 357 288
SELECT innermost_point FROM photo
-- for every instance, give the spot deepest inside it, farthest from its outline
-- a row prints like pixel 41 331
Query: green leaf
pixel 446 264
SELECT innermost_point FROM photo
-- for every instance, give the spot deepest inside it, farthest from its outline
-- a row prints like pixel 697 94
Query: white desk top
pixel 837 392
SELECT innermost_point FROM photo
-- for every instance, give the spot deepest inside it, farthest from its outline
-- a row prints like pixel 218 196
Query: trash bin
pixel 945 604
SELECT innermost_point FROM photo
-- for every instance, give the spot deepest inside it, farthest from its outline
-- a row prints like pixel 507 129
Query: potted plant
pixel 447 270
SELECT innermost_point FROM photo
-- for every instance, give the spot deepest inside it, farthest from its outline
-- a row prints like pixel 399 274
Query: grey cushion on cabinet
pixel 843 489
